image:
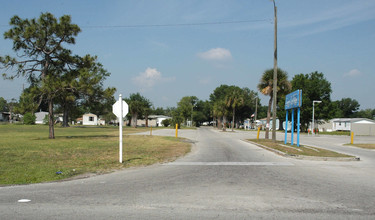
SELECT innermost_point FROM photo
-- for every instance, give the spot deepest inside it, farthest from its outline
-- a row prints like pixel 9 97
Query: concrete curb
pixel 301 157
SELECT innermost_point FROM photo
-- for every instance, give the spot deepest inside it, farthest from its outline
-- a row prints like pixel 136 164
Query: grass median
pixel 300 151
pixel 365 146
pixel 28 156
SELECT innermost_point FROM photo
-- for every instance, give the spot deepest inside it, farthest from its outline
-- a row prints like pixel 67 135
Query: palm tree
pixel 219 112
pixel 234 99
pixel 265 86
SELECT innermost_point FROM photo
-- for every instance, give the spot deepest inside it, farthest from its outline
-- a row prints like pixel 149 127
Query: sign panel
pixel 116 109
pixel 293 100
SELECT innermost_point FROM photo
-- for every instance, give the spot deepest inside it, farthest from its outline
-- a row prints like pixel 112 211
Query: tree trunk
pixel 65 123
pixel 224 123
pixel 234 112
pixel 146 118
pixel 134 120
pixel 219 121
pixel 267 135
pixel 51 119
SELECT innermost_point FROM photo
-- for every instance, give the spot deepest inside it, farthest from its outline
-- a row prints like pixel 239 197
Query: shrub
pixel 166 122
pixel 29 119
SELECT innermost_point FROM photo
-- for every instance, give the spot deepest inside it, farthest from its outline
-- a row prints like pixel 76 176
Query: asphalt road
pixel 222 178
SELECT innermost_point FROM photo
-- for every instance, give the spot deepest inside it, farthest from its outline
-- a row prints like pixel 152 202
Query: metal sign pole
pixel 286 126
pixel 292 127
pixel 298 125
pixel 120 128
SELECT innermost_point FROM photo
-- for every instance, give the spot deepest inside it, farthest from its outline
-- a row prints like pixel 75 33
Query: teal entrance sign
pixel 293 101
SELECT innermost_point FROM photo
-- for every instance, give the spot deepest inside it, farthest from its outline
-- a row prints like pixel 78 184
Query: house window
pixel 91 118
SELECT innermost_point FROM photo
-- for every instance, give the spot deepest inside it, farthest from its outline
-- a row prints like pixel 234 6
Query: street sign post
pixel 120 109
pixel 293 101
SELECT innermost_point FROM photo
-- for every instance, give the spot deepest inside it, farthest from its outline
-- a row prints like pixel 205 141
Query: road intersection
pixel 223 177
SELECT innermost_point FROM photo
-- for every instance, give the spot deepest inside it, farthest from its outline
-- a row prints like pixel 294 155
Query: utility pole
pixel 274 78
pixel 256 111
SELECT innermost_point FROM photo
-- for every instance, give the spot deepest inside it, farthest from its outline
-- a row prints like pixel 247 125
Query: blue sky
pixel 166 62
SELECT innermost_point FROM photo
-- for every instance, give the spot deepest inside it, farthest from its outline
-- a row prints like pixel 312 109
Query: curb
pixel 302 157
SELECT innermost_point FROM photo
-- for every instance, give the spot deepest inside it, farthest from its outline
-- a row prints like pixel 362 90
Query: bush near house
pixel 29 119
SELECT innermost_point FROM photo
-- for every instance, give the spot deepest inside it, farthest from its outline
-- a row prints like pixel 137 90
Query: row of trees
pixel 56 77
pixel 314 86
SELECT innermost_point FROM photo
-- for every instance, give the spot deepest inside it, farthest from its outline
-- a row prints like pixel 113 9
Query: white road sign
pixel 116 108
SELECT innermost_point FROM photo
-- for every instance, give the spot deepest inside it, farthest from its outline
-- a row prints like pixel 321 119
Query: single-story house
pixel 101 121
pixel 153 120
pixel 263 123
pixel 156 120
pixel 89 119
pixel 40 116
pixel 346 124
pixel 4 116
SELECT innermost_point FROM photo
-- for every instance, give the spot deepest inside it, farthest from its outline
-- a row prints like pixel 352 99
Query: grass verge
pixel 300 151
pixel 365 146
pixel 28 156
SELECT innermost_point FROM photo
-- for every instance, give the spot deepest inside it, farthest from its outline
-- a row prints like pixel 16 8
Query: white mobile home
pixel 40 116
pixel 89 119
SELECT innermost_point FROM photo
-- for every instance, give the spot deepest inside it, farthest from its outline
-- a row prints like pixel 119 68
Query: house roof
pixel 90 114
pixel 157 116
pixel 353 120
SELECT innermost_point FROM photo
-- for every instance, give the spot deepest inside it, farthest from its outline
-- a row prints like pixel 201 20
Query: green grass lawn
pixel 28 156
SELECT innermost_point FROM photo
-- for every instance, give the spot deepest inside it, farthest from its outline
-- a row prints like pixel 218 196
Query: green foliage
pixel 265 86
pixel 29 118
pixel 3 105
pixel 348 107
pixel 232 101
pixel 314 87
pixel 166 122
pixel 366 113
pixel 40 44
pixel 138 106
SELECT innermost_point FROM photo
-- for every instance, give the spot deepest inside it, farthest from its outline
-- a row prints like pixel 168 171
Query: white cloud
pixel 150 77
pixel 216 54
pixel 353 73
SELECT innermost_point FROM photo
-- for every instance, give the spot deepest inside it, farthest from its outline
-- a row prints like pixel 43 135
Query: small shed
pixel 89 119
pixel 363 127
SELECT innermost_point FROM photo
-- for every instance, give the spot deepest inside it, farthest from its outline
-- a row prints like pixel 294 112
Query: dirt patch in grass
pixel 302 150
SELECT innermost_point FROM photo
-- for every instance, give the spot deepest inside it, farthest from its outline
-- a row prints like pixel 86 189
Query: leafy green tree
pixel 202 112
pixel 314 87
pixel 265 86
pixel 31 100
pixel 42 57
pixel 3 105
pixel 220 110
pixel 166 122
pixel 158 111
pixel 87 89
pixel 186 106
pixel 137 105
pixel 29 118
pixel 349 107
pixel 366 113
pixel 248 108
pixel 234 99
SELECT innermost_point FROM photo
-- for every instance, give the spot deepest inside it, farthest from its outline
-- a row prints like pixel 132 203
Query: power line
pixel 175 25
pixel 169 25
